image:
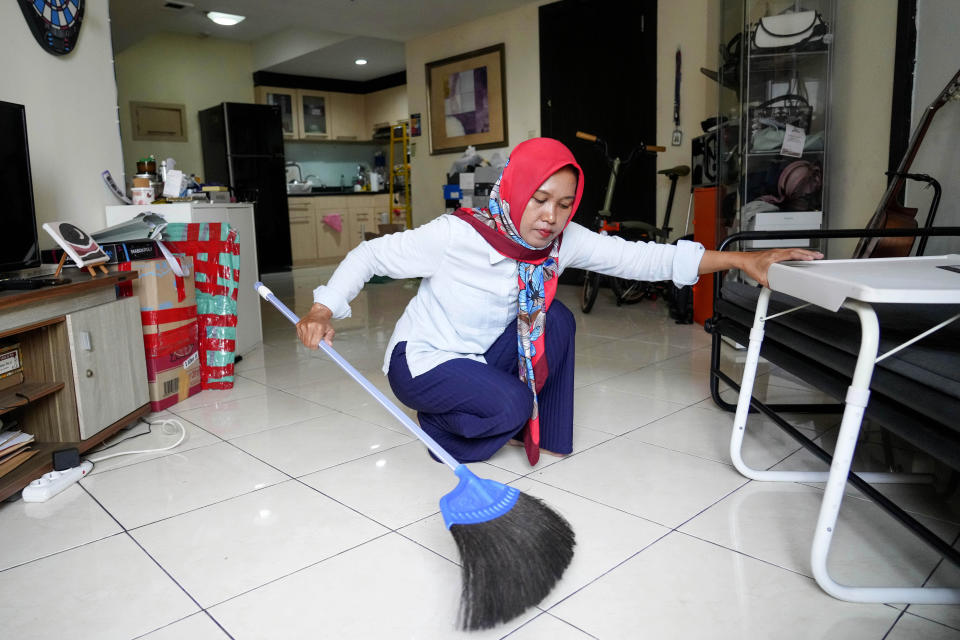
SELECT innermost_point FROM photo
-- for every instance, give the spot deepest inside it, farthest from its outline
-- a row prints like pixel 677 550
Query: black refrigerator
pixel 243 148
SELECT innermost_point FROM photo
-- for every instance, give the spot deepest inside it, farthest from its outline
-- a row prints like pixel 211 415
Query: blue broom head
pixel 476 499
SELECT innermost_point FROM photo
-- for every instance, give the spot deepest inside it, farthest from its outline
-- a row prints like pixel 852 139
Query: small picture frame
pixel 78 245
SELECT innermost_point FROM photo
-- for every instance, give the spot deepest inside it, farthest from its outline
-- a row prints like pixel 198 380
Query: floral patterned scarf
pixel 530 164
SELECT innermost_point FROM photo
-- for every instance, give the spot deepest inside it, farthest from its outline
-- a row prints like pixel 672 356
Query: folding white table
pixel 855 285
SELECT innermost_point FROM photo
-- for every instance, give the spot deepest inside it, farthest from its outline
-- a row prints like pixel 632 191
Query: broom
pixel 513 547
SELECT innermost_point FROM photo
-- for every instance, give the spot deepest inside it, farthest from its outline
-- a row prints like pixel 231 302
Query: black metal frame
pixel 773 411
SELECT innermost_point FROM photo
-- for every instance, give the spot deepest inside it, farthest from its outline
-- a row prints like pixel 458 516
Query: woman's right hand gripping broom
pixel 316 326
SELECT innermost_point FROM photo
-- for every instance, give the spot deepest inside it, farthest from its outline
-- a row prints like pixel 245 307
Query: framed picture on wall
pixel 467 101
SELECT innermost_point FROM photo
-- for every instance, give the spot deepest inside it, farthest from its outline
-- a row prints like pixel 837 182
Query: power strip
pixel 52 483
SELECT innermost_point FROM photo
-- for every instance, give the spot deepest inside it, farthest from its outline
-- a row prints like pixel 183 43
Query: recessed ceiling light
pixel 226 19
pixel 360 61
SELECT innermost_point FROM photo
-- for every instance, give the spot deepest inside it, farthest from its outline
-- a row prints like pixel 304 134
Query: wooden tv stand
pixel 83 364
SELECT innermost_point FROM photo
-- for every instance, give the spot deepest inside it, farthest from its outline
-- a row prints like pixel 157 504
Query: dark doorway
pixel 598 74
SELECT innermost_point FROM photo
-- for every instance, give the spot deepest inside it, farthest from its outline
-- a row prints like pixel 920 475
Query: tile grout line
pixel 160 566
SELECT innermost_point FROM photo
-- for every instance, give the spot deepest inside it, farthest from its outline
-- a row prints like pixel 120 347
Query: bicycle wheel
pixel 591 286
pixel 628 291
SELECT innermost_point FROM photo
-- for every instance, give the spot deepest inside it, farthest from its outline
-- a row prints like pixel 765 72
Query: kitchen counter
pixel 337 193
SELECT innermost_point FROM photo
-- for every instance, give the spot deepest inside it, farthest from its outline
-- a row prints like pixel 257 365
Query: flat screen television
pixel 18 220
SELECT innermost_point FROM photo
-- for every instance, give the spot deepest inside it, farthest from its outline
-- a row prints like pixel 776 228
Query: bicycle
pixel 627 291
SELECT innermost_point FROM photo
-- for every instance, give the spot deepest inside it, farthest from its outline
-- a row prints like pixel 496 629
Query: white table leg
pixel 743 410
pixel 856 401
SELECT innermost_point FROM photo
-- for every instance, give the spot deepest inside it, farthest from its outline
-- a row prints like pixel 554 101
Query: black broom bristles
pixel 511 563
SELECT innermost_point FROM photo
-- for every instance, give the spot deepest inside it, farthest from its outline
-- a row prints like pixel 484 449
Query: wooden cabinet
pixel 286 99
pixel 362 219
pixel 84 368
pixel 108 363
pixel 332 244
pixel 313 240
pixel 315 114
pixel 303 230
pixel 349 123
pixel 331 115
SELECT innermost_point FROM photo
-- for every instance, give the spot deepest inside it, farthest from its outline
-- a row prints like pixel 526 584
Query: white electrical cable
pixel 165 422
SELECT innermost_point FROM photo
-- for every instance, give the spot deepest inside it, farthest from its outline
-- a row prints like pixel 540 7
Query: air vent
pixel 177 6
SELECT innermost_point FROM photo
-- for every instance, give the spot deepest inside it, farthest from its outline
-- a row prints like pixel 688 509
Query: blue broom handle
pixel 437 450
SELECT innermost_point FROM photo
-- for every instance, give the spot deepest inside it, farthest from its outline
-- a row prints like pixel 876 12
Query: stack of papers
pixel 14 449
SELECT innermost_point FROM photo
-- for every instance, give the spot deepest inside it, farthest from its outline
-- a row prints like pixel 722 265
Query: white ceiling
pixel 340 30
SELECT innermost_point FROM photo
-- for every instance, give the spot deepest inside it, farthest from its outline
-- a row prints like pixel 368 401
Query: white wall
pixel 71 116
pixel 519 31
pixel 693 25
pixel 862 90
pixel 938 23
pixel 195 72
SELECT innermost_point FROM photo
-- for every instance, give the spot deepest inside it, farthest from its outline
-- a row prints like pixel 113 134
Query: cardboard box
pixel 11 360
pixel 168 313
pixel 175 384
pixel 782 221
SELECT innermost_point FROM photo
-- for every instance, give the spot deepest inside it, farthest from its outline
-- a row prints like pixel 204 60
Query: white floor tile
pixel 199 626
pixel 919 498
pixel 670 385
pixel 707 434
pixel 167 486
pixel 600 407
pixel 347 396
pixel 140 437
pixel 250 415
pixel 638 352
pixel 31 530
pixel 396 487
pixel 546 626
pixel 223 550
pixel 651 482
pixel 315 444
pixel 910 627
pixel 311 368
pixel 109 589
pixel 514 458
pixel 946 575
pixel 387 588
pixel 242 388
pixel 686 588
pixel 869 548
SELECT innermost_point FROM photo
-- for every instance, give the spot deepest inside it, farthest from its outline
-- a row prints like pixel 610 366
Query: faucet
pixel 299 170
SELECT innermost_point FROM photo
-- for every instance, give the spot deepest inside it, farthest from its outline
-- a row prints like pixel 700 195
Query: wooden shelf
pixel 46 404
pixel 25 393
pixel 42 462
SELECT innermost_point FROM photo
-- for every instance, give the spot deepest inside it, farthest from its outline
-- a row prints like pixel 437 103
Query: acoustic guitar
pixel 890 214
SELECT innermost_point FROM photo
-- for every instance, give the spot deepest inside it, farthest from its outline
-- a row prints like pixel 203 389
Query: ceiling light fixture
pixel 360 61
pixel 226 19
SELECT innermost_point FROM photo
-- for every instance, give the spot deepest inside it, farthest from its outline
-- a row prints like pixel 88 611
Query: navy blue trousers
pixel 471 409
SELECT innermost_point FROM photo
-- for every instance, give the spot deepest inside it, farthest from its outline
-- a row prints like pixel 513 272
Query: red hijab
pixel 529 166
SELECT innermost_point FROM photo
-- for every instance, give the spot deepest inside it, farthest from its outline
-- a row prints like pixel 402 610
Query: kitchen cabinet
pixel 303 231
pixel 330 115
pixel 332 244
pixel 362 219
pixel 348 123
pixel 315 114
pixel 287 100
pixel 316 242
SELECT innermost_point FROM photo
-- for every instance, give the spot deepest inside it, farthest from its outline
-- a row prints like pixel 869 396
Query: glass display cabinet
pixel 773 113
